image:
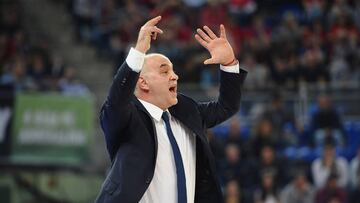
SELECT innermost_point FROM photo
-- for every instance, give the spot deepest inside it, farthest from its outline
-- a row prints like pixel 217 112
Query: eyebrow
pixel 164 66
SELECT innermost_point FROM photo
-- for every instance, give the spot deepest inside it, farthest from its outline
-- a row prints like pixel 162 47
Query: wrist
pixel 234 61
pixel 141 49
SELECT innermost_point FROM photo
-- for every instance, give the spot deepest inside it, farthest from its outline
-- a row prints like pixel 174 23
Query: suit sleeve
pixel 116 110
pixel 228 102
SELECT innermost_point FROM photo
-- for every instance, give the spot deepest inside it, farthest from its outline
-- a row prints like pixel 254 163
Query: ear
pixel 142 84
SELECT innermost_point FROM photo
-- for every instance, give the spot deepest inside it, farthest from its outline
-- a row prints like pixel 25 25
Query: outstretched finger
pixel 222 31
pixel 210 32
pixel 201 41
pixel 156 29
pixel 203 35
pixel 153 21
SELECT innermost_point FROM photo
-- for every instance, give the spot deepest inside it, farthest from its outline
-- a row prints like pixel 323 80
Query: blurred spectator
pixel 231 167
pixel 277 112
pixel 260 39
pixel 315 35
pixel 39 70
pixel 339 8
pixel 263 136
pixel 293 65
pixel 280 71
pixel 233 192
pixel 258 73
pixel 330 164
pixel 355 170
pixel 354 195
pixel 84 14
pixel 343 35
pixel 286 38
pixel 234 135
pixel 235 167
pixel 299 190
pixel 313 70
pixel 105 23
pixel 314 9
pixel 331 192
pixel 57 66
pixel 326 123
pixel 213 14
pixel 269 161
pixel 339 72
pixel 268 191
pixel 15 74
pixel 242 10
pixel 69 85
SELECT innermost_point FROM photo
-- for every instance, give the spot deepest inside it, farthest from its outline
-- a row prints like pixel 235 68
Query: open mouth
pixel 172 89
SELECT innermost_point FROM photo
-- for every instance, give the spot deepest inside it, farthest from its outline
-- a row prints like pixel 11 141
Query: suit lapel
pixel 182 112
pixel 139 105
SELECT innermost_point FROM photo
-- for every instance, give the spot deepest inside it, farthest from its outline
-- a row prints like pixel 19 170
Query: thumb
pixel 209 61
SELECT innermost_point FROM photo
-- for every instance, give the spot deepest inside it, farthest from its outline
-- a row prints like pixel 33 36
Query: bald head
pixel 152 61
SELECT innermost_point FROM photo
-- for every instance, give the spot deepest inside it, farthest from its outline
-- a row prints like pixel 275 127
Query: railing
pixel 300 102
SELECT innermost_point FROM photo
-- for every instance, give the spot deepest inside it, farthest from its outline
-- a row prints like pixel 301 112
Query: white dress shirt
pixel 163 186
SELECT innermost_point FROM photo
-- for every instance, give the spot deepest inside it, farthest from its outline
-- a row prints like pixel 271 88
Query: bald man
pixel 156 138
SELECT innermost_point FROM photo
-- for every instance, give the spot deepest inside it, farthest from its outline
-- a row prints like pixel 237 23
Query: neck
pixel 151 101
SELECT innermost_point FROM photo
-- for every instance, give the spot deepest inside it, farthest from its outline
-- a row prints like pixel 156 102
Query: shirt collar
pixel 153 110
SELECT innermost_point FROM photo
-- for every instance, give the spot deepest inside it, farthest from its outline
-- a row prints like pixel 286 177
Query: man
pixel 326 123
pixel 155 137
pixel 330 163
pixel 299 190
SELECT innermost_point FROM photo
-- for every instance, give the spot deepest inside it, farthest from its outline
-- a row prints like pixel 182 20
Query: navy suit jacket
pixel 132 142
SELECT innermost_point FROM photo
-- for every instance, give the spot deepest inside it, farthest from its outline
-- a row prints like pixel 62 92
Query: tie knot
pixel 165 116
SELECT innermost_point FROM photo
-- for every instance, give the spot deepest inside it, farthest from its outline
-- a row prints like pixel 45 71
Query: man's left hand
pixel 219 47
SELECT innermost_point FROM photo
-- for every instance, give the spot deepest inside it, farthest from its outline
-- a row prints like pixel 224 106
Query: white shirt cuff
pixel 231 69
pixel 135 60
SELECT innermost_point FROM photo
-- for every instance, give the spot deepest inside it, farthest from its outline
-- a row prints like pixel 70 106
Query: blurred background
pixel 295 139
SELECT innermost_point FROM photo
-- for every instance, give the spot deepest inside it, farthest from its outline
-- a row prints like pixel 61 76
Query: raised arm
pixel 116 110
pixel 231 76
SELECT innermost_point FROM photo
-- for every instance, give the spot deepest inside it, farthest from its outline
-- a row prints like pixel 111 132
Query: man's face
pixel 300 182
pixel 161 81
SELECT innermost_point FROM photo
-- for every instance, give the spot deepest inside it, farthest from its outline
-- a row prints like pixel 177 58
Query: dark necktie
pixel 181 180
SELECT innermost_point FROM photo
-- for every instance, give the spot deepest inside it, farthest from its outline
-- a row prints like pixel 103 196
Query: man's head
pixel 329 151
pixel 324 102
pixel 157 83
pixel 232 153
pixel 267 155
pixel 300 181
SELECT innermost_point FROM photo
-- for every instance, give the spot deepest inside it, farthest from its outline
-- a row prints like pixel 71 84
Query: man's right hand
pixel 148 31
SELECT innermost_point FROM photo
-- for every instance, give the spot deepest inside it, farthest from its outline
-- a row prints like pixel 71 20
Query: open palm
pixel 219 47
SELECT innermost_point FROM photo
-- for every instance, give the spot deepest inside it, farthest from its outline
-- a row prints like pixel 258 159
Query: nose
pixel 174 76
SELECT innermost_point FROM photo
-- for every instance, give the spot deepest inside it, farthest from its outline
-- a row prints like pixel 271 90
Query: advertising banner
pixel 52 129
